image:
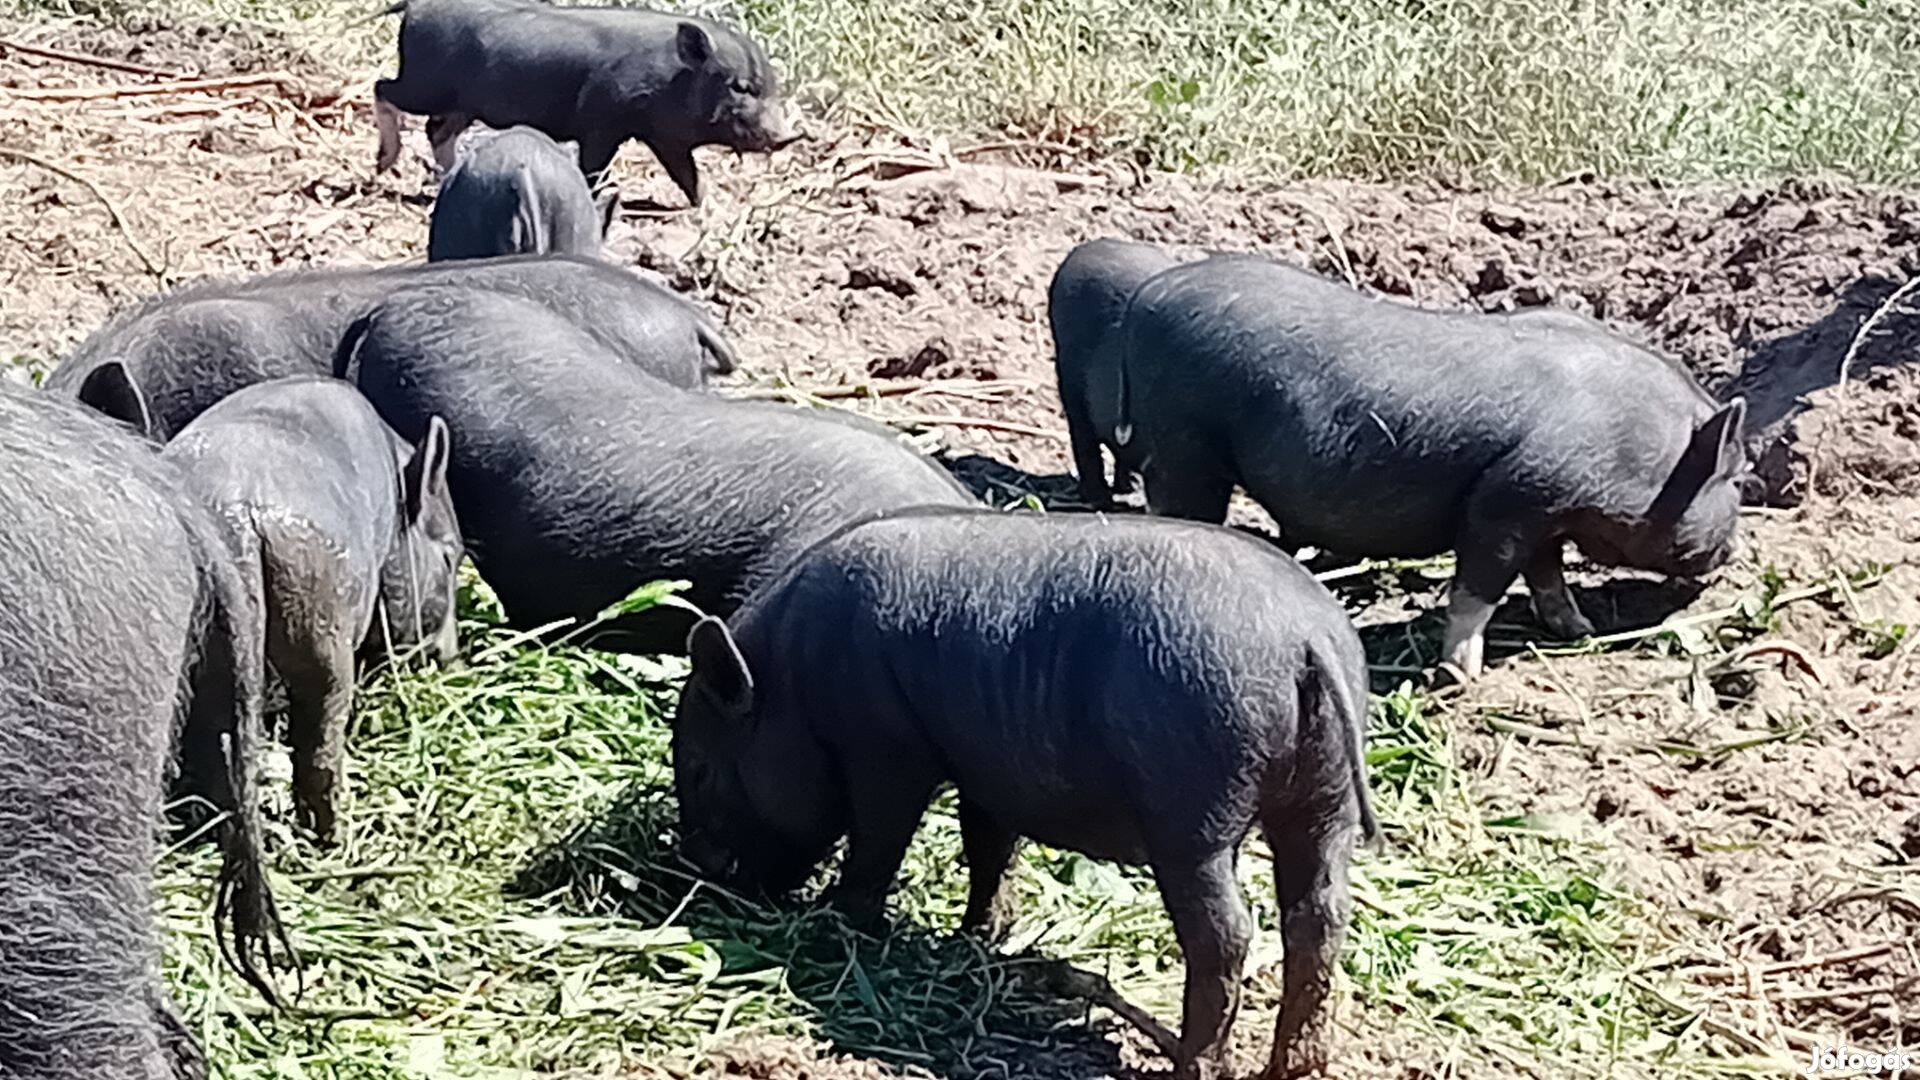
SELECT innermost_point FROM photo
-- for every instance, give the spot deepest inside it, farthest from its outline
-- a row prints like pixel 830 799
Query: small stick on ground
pixel 978 389
pixel 113 210
pixel 1809 963
pixel 87 59
pixel 1867 328
pixel 1705 617
pixel 187 86
pixel 1801 997
pixel 1894 898
pixel 859 390
pixel 975 422
pixel 1065 980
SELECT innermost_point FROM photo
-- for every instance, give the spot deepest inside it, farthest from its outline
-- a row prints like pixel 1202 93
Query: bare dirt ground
pixel 1765 790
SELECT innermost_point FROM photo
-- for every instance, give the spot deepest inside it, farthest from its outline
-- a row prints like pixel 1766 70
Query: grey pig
pixel 189 348
pixel 1085 304
pixel 354 535
pixel 597 76
pixel 578 478
pixel 514 192
pixel 1374 428
pixel 127 638
pixel 1140 690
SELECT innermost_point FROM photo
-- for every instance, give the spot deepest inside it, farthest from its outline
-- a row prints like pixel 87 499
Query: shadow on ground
pixel 907 998
pixel 1408 647
pixel 997 483
pixel 1779 373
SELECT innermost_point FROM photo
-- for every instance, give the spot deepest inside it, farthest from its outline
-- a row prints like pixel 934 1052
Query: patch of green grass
pixel 1486 91
pixel 505 898
pixel 1494 90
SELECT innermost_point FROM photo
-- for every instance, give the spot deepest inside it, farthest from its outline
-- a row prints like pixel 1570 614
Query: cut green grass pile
pixel 1474 90
pixel 505 900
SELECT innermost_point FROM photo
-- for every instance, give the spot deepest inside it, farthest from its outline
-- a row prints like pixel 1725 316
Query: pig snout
pixel 784 132
pixel 708 856
pixel 1693 564
pixel 769 129
pixel 445 648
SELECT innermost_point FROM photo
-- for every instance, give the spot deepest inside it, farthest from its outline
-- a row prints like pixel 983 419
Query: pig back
pixel 1361 424
pixel 301 457
pixel 1119 662
pixel 562 452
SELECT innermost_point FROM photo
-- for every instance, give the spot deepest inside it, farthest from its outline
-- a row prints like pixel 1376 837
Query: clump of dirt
pixel 1760 292
pixel 188 50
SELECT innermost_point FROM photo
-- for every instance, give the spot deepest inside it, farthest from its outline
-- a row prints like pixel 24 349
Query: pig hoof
pixel 861 910
pixel 1569 625
pixel 317 818
pixel 992 930
pixel 1203 1069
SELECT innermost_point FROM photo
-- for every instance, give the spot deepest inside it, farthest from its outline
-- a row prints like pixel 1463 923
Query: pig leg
pixel 387 118
pixel 989 849
pixel 1310 875
pixel 678 161
pixel 443 133
pixel 1191 491
pixel 1211 922
pixel 181 1050
pixel 1465 645
pixel 1489 555
pixel 205 775
pixel 1124 475
pixel 1553 604
pixel 319 677
pixel 887 807
pixel 1088 464
pixel 596 155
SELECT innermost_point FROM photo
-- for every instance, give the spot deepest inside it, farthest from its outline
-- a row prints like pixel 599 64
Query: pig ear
pixel 694 44
pixel 1730 455
pixel 1717 449
pixel 717 660
pixel 109 389
pixel 608 203
pixel 425 477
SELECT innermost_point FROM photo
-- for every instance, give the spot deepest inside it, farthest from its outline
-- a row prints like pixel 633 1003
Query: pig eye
pixel 741 86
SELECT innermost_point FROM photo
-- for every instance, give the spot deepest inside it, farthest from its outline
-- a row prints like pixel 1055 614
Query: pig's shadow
pixel 997 483
pixel 1779 372
pixel 907 997
pixel 1407 646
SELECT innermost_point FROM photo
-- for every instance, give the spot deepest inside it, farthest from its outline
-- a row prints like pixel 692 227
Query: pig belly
pixel 1099 825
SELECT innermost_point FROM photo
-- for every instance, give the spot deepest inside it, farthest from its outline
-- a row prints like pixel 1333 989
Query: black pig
pixel 1374 428
pixel 125 631
pixel 189 348
pixel 514 192
pixel 578 478
pixel 1085 304
pixel 353 538
pixel 595 75
pixel 1140 690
